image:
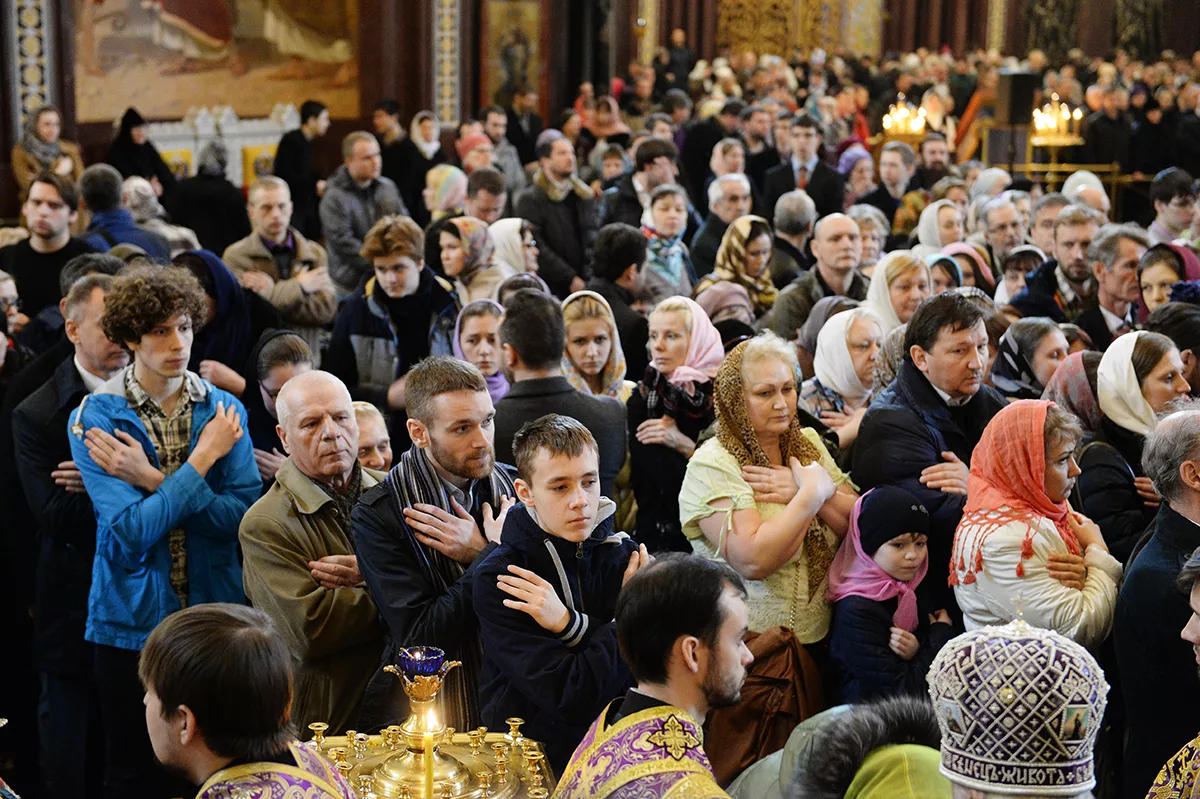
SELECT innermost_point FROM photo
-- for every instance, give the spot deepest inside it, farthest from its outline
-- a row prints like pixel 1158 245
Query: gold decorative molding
pixel 447 60
pixel 779 26
pixel 32 66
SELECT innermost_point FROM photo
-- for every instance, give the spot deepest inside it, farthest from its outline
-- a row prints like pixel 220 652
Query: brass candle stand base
pixel 461 771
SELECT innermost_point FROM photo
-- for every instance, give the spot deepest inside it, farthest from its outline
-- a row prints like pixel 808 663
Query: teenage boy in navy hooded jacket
pixel 546 596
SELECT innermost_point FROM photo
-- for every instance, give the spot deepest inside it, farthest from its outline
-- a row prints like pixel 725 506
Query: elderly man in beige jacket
pixel 299 562
pixel 282 266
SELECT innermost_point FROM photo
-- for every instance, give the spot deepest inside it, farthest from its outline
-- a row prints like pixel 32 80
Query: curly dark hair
pixel 147 296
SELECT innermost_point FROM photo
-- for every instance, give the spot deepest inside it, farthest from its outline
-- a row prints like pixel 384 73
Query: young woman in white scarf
pixel 1140 377
pixel 848 347
pixel 421 151
pixel 898 285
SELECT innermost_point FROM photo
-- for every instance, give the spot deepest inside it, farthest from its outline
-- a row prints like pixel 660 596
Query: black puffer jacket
pixel 859 656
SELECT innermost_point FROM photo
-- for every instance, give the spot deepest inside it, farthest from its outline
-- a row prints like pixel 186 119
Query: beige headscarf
pixel 737 436
pixel 731 265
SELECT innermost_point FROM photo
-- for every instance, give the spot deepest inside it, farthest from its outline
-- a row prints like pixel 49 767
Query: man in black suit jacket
pixel 1114 254
pixel 805 171
pixel 66 534
pixel 533 339
pixel 524 124
pixel 293 163
pixel 897 163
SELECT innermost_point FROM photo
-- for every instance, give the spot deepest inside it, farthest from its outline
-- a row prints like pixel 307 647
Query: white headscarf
pixel 428 147
pixel 833 364
pixel 510 244
pixel 928 232
pixel 1120 394
pixel 879 300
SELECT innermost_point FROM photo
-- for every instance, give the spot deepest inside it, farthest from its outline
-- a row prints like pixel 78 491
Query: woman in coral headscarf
pixel 672 406
pixel 1020 549
pixel 765 495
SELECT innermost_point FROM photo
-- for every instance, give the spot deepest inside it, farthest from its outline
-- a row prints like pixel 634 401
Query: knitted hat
pixel 1019 708
pixel 887 512
pixel 469 143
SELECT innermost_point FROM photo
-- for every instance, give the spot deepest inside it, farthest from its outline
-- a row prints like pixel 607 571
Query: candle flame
pixel 430 721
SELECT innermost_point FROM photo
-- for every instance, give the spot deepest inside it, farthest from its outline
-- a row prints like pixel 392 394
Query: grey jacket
pixel 508 161
pixel 348 211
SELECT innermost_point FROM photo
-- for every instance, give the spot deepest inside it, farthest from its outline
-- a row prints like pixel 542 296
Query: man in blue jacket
pixel 546 597
pixel 170 472
pixel 100 187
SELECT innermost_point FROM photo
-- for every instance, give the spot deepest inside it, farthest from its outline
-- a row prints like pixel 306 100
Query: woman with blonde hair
pixel 765 495
pixel 593 360
pixel 672 406
pixel 899 284
pixel 743 258
pixel 445 193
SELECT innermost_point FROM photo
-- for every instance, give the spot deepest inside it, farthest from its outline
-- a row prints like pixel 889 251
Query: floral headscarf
pixel 1073 388
pixel 612 377
pixel 731 263
pixel 449 184
pixel 1006 484
pixel 736 435
pixel 477 245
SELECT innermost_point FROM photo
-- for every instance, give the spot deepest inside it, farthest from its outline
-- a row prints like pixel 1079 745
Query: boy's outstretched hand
pixel 638 560
pixel 533 595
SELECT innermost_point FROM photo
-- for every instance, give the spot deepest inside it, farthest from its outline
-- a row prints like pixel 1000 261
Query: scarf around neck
pixel 855 573
pixel 666 254
pixel 738 438
pixel 558 192
pixel 1012 373
pixel 44 152
pixel 1007 484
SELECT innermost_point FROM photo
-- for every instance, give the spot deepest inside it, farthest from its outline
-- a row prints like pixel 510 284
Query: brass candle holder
pixel 424 759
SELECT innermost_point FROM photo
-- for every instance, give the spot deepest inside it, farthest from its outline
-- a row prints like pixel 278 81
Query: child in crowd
pixel 882 640
pixel 546 596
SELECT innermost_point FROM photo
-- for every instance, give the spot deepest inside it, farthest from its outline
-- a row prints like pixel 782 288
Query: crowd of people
pixel 622 414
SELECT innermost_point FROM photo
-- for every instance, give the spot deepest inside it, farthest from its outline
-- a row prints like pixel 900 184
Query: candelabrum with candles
pixel 424 759
pixel 1056 125
pixel 903 120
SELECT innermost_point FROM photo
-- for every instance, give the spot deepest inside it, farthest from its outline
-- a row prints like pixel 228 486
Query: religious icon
pixel 954 717
pixel 1075 722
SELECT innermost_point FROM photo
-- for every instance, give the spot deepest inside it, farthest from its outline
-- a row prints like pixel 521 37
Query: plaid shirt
pixel 172 439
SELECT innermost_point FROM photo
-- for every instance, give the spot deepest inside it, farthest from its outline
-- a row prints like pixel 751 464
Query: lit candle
pixel 429 722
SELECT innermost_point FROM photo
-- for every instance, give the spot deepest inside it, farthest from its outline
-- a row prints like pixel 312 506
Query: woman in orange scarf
pixel 1020 549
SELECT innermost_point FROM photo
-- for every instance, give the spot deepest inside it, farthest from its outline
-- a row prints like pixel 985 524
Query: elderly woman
pixel 515 244
pixel 1140 376
pixel 672 406
pixel 765 495
pixel 138 196
pixel 899 284
pixel 743 258
pixel 847 349
pixel 1020 261
pixel 1019 546
pixel 41 150
pixel 477 341
pixel 874 229
pixel 941 224
pixel 1030 351
pixel 466 255
pixel 810 331
pixel 858 171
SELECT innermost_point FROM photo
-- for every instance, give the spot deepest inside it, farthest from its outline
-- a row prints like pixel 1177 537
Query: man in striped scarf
pixel 421 533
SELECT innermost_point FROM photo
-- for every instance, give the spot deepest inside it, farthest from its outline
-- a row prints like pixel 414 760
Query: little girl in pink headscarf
pixel 881 641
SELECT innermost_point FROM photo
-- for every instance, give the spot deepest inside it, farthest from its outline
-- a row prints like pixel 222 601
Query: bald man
pixel 1093 197
pixel 837 248
pixel 299 563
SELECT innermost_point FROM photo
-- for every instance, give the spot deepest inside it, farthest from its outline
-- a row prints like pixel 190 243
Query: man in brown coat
pixel 299 564
pixel 282 266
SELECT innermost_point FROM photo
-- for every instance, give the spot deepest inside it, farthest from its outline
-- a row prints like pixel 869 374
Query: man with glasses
pixel 1173 193
pixel 1003 229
